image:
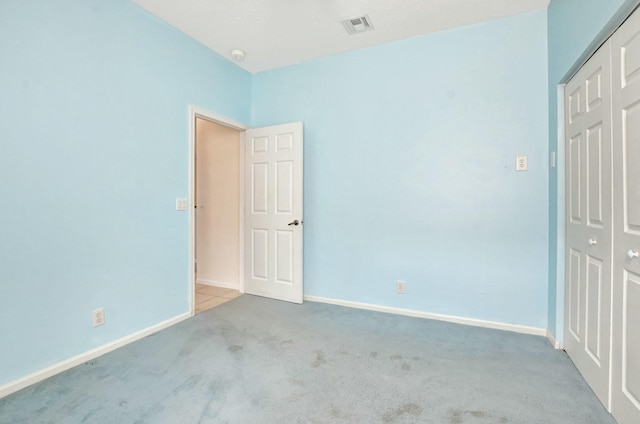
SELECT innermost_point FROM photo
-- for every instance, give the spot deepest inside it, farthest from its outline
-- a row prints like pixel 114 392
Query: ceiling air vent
pixel 359 24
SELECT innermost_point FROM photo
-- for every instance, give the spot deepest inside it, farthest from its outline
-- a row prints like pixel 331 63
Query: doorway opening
pixel 216 204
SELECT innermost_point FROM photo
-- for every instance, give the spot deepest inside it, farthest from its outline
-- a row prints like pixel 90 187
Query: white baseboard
pixel 553 341
pixel 222 284
pixel 439 317
pixel 45 373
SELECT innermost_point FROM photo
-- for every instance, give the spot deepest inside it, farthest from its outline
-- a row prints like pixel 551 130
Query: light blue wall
pixel 409 170
pixel 94 100
pixel 572 26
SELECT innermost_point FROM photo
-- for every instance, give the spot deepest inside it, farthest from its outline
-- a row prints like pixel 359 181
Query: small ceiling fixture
pixel 358 24
pixel 238 55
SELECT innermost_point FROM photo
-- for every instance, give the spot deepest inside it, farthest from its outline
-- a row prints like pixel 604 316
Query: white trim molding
pixel 28 380
pixel 438 317
pixel 560 218
pixel 243 149
pixel 223 284
pixel 555 343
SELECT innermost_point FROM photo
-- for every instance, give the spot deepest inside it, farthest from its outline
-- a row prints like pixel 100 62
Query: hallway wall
pixel 218 200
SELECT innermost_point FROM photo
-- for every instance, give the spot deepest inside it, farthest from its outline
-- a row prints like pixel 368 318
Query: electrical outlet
pixel 522 163
pixel 98 317
pixel 400 287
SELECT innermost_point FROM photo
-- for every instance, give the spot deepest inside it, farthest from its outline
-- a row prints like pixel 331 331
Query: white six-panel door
pixel 273 212
pixel 589 221
pixel 625 400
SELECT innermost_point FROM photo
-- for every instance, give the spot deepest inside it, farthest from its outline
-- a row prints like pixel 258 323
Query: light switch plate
pixel 522 163
pixel 181 204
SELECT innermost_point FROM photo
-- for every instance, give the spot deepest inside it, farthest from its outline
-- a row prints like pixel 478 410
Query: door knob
pixel 593 242
pixel 631 254
pixel 294 222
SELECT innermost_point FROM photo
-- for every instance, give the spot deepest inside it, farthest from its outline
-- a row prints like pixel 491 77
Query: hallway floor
pixel 208 297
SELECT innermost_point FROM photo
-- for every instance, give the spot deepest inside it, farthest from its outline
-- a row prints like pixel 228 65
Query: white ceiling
pixel 277 33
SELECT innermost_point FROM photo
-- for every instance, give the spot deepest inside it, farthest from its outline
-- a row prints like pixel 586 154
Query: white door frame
pixel 196 112
pixel 561 240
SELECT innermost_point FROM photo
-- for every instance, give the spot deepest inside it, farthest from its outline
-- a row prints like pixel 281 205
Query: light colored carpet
pixel 255 360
